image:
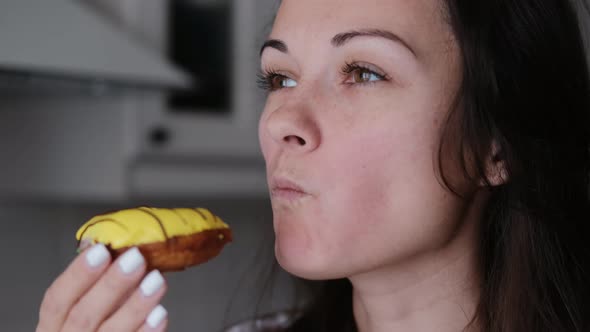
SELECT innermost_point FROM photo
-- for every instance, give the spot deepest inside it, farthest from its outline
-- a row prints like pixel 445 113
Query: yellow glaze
pixel 144 225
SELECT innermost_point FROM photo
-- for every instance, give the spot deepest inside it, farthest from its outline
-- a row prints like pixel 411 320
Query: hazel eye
pixel 359 74
pixel 362 75
pixel 272 81
pixel 280 82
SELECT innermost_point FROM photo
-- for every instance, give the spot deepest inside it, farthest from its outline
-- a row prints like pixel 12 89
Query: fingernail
pixel 131 260
pixel 151 283
pixel 97 255
pixel 156 317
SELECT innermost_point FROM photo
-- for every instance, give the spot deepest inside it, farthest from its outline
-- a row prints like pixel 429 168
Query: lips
pixel 283 188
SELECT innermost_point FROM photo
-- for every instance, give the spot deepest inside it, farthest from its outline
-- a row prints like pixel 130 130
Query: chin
pixel 302 251
pixel 299 267
pixel 303 261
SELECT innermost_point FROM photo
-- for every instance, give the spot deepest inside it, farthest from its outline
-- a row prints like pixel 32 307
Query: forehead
pixel 421 23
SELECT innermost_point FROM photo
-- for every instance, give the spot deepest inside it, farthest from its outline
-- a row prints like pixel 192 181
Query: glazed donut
pixel 169 239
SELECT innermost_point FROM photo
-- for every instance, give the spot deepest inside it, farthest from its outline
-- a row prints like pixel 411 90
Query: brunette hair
pixel 526 91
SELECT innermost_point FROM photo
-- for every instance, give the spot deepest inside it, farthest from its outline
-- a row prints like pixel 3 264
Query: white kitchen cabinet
pixel 127 143
pixel 89 149
pixel 198 132
pixel 64 148
pixel 200 151
pixel 65 38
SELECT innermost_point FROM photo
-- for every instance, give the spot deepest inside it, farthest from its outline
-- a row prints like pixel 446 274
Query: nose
pixel 293 127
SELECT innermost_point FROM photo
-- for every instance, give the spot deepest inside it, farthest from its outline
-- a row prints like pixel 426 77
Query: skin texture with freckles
pixel 368 204
pixel 369 157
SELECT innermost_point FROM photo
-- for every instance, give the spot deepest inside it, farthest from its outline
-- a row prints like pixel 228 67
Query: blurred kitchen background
pixel 107 104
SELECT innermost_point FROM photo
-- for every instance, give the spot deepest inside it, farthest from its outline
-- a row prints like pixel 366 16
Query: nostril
pixel 294 139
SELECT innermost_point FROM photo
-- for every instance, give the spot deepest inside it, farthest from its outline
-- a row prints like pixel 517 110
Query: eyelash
pixel 266 76
pixel 351 67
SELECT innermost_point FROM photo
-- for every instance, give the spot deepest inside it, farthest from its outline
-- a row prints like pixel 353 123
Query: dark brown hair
pixel 525 89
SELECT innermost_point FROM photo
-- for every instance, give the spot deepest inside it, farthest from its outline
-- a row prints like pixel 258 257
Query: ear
pixel 495 167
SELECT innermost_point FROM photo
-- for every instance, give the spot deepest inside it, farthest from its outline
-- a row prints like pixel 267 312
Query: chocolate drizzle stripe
pixel 179 216
pixel 116 222
pixel 153 215
pixel 200 213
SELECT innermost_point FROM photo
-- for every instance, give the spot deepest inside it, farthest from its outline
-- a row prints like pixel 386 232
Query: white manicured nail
pixel 97 255
pixel 156 317
pixel 131 261
pixel 151 283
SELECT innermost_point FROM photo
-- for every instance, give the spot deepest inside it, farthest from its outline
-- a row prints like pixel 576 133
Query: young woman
pixel 429 158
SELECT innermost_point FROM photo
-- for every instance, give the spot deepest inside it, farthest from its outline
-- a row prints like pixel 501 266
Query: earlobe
pixel 496 171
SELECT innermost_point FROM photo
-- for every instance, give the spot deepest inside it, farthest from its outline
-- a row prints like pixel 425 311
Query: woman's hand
pixel 94 295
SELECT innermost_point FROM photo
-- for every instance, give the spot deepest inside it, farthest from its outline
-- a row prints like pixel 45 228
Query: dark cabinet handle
pixel 159 136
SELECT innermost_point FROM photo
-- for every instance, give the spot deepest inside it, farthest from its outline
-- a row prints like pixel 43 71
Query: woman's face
pixel 359 90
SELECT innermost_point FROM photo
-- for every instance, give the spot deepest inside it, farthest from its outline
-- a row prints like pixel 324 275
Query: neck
pixel 434 291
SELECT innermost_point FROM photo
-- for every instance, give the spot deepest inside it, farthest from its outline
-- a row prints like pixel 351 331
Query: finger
pixel 102 299
pixel 70 286
pixel 132 315
pixel 157 320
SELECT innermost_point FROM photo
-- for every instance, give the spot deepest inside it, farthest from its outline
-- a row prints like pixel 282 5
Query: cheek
pixel 265 141
pixel 262 138
pixel 364 183
pixel 379 189
pixel 379 202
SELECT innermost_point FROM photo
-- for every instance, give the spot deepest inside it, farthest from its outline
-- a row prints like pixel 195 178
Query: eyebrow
pixel 342 38
pixel 276 44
